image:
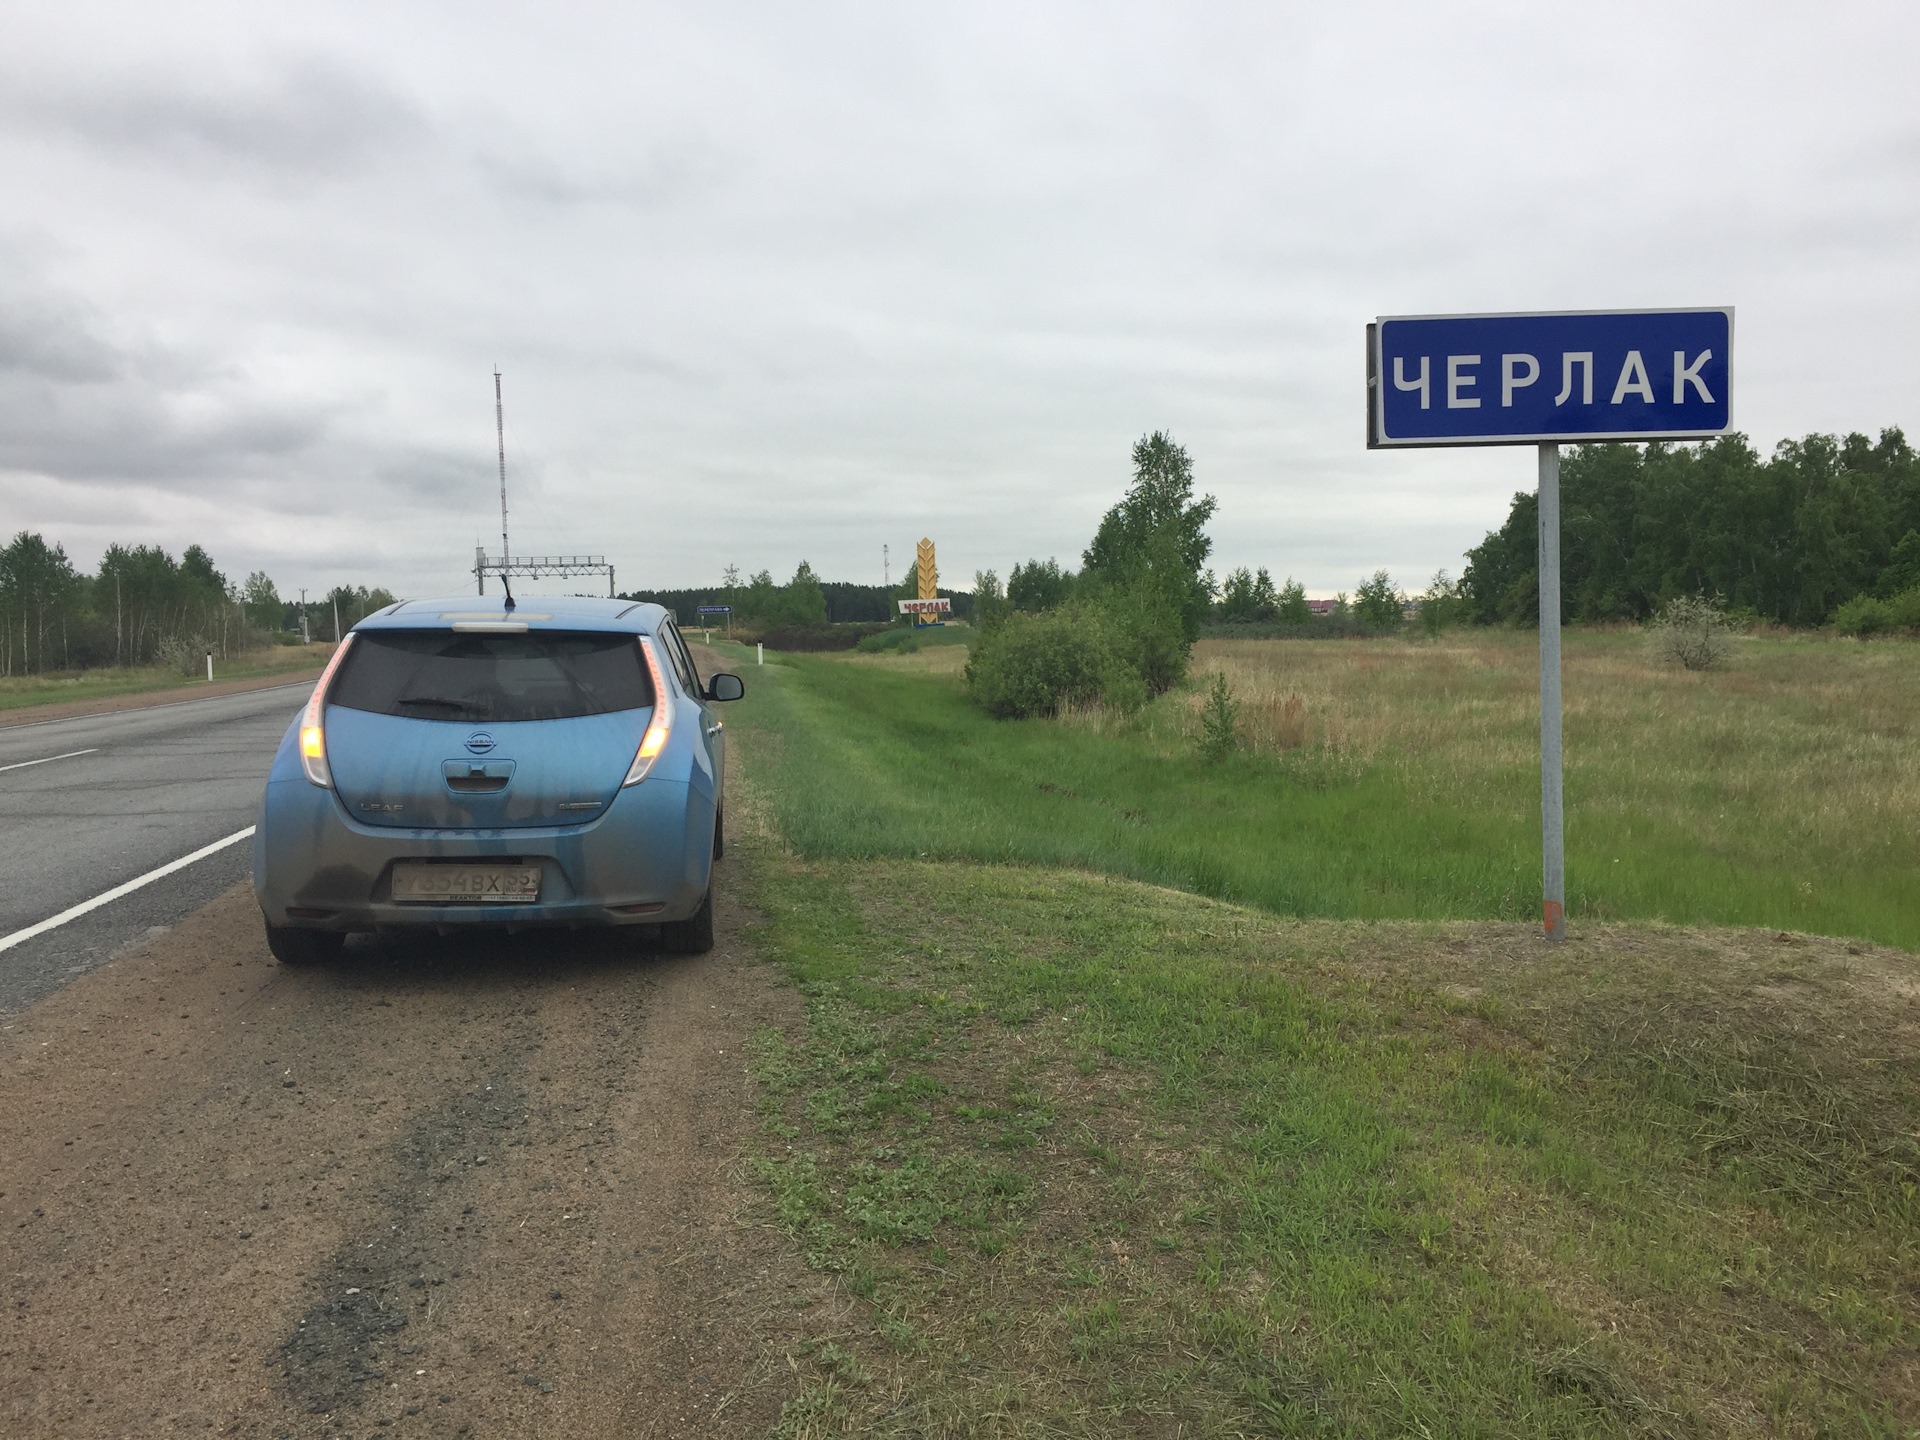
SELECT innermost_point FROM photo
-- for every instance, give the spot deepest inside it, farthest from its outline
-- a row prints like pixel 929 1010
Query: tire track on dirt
pixel 441 1189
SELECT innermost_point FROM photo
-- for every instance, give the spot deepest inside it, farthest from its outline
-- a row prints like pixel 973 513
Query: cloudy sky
pixel 779 281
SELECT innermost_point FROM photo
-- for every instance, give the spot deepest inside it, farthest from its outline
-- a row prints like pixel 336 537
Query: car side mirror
pixel 725 687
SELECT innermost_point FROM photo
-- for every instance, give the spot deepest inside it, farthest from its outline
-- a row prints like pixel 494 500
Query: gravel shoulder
pixel 440 1189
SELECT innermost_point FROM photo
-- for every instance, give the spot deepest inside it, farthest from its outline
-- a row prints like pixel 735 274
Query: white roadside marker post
pixel 759 654
pixel 209 667
pixel 1553 838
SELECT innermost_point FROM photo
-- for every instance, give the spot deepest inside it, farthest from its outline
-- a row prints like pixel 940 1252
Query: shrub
pixel 801 638
pixel 1864 615
pixel 1692 630
pixel 1032 664
pixel 1218 736
pixel 186 654
pixel 1122 689
pixel 908 640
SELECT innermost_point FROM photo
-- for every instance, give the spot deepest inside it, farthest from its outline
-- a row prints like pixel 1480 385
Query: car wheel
pixel 719 833
pixel 693 935
pixel 303 947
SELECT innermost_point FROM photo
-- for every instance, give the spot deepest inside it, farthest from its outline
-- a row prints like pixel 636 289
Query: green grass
pixel 1395 780
pixel 23 691
pixel 1093 1158
pixel 1096 1157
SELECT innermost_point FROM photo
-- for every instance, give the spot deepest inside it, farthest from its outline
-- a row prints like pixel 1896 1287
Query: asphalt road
pixel 148 787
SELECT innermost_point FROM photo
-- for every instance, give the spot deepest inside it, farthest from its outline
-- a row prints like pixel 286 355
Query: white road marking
pixel 108 897
pixel 23 764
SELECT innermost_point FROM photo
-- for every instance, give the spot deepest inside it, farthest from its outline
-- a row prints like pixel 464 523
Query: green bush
pixel 1033 664
pixel 1122 650
pixel 1864 615
pixel 1219 735
pixel 908 640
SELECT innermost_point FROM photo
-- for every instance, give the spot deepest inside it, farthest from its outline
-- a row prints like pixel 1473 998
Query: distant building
pixel 1320 607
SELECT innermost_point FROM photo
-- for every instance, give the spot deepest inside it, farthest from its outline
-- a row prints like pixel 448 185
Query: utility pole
pixel 886 569
pixel 500 426
pixel 306 636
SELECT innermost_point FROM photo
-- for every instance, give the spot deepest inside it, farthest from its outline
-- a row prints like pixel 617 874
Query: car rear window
pixel 444 675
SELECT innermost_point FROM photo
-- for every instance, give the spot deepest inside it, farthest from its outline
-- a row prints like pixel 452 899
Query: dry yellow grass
pixel 1815 739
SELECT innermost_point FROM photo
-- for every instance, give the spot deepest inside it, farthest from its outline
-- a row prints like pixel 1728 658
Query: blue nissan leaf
pixel 465 764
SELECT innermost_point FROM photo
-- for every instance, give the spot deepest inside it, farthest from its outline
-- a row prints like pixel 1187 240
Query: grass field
pixel 1397 779
pixel 1092 1156
pixel 19 691
pixel 1097 1158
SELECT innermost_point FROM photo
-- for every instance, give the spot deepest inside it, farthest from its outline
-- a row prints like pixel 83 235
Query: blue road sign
pixel 1520 379
pixel 713 609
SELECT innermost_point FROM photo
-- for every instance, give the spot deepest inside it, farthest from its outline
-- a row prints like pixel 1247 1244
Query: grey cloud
pixel 53 338
pixel 770 283
pixel 308 116
pixel 669 173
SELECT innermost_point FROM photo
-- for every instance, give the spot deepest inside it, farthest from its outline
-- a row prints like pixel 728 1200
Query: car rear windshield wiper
pixel 438 700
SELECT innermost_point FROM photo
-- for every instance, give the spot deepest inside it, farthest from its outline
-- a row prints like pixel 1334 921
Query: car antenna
pixel 500 426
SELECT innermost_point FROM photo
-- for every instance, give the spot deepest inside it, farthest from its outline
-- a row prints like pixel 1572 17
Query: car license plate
pixel 466 884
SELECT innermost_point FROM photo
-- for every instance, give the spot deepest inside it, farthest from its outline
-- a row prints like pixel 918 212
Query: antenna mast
pixel 500 424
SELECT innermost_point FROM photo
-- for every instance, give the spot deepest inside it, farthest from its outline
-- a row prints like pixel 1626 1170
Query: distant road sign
pixel 1561 376
pixel 713 609
pixel 942 606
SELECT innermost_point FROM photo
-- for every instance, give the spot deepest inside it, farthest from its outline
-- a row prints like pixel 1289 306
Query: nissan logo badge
pixel 480 742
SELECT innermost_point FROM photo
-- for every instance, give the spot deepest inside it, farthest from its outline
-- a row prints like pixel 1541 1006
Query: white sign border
pixel 1376 412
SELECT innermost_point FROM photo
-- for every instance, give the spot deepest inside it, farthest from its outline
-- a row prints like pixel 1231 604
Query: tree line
pixel 141 606
pixel 1790 538
pixel 806 599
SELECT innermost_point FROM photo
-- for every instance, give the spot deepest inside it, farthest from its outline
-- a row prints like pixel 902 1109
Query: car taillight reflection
pixel 313 728
pixel 658 728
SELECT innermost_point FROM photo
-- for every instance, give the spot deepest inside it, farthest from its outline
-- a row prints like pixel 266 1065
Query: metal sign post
pixel 1543 379
pixel 726 610
pixel 1553 830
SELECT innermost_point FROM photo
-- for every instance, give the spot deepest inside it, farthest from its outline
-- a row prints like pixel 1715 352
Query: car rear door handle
pixel 715 728
pixel 474 777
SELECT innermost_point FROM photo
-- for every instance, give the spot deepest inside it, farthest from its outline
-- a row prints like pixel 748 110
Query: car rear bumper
pixel 316 867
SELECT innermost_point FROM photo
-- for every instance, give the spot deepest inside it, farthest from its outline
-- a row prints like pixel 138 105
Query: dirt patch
pixel 438 1189
pixel 146 699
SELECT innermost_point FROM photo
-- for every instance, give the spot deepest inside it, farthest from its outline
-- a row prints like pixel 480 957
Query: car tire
pixel 719 833
pixel 693 935
pixel 303 947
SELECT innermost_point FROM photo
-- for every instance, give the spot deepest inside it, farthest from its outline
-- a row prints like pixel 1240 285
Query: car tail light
pixel 658 728
pixel 313 728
